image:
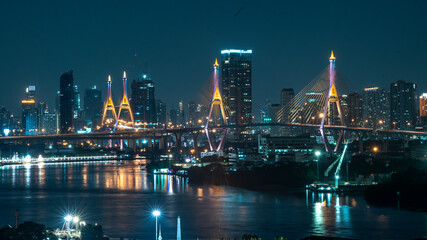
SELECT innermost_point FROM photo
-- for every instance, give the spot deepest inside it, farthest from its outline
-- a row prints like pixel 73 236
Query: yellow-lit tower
pixel 124 104
pixel 216 101
pixel 109 106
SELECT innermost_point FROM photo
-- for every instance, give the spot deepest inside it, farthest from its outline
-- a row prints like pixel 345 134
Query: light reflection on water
pixel 120 196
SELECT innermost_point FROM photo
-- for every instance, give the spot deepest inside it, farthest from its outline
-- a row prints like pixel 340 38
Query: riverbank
pixel 406 189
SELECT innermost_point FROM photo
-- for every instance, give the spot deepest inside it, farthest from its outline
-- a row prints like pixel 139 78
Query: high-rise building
pixel 143 101
pixel 236 69
pixel 161 111
pixel 353 109
pixel 376 108
pixel 173 117
pixel 29 111
pixel 5 120
pixel 93 106
pixel 181 113
pixel 286 98
pixel 423 109
pixel 66 102
pixel 50 123
pixel 76 102
pixel 403 104
pixel 30 93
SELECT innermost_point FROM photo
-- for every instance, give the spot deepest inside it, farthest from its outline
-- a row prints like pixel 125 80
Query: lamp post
pixel 156 214
pixel 317 155
pixel 68 219
pixel 76 222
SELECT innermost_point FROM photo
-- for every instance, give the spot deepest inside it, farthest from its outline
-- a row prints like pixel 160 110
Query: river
pixel 121 197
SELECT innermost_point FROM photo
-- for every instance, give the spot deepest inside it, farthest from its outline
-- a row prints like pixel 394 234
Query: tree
pixel 92 232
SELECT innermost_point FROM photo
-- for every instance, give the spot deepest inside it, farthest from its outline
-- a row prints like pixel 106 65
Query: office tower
pixel 236 69
pixel 30 93
pixel 403 105
pixel 181 113
pixel 286 98
pixel 50 123
pixel 93 106
pixel 29 111
pixel 57 101
pixel 5 120
pixel 312 110
pixel 173 117
pixel 76 102
pixel 353 109
pixel 274 110
pixel 192 112
pixel 423 109
pixel 161 111
pixel 42 109
pixel 66 102
pixel 376 108
pixel 143 101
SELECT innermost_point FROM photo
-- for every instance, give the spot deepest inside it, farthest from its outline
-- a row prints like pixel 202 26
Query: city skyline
pixel 394 51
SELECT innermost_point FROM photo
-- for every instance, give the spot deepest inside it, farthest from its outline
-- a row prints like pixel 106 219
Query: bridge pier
pixel 360 136
pixel 178 136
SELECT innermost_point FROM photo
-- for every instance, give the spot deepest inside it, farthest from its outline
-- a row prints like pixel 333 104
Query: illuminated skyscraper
pixel 161 111
pixel 143 101
pixel 376 108
pixel 353 108
pixel 66 102
pixel 93 106
pixel 29 111
pixel 236 69
pixel 403 104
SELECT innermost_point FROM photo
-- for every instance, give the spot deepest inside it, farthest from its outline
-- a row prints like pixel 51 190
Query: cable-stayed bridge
pixel 316 107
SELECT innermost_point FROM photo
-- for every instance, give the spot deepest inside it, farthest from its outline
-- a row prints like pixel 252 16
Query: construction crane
pixel 339 162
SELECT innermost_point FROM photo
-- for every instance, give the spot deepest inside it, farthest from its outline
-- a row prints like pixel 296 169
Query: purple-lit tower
pixel 332 98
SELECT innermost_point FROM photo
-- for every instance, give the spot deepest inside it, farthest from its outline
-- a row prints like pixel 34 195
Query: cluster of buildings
pixel 396 108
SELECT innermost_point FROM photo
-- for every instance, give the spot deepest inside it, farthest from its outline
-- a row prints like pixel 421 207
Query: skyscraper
pixel 354 109
pixel 403 105
pixel 286 97
pixel 93 106
pixel 66 102
pixel 29 111
pixel 161 111
pixel 376 108
pixel 76 102
pixel 236 78
pixel 143 100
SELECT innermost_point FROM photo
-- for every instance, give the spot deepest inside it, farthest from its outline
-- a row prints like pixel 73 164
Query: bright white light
pixel 317 153
pixel 337 177
pixel 76 219
pixel 235 51
pixel 68 218
pixel 156 213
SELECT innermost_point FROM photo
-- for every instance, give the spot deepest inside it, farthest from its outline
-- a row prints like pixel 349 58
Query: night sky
pixel 375 42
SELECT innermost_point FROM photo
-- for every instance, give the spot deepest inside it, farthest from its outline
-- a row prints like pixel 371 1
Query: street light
pixel 317 155
pixel 76 222
pixel 68 219
pixel 156 214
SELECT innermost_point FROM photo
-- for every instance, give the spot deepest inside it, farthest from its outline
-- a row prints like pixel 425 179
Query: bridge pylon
pixel 331 99
pixel 124 104
pixel 108 106
pixel 216 101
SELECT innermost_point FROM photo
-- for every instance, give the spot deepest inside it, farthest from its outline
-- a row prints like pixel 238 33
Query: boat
pixel 321 187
